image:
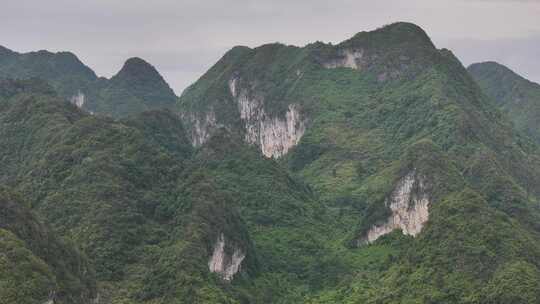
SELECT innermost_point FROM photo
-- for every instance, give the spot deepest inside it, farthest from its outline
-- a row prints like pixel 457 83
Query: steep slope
pixel 299 244
pixel 135 88
pixel 161 221
pixel 517 96
pixel 388 131
pixel 35 265
pixel 120 194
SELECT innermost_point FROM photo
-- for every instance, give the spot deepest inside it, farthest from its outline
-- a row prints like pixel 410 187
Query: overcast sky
pixel 183 38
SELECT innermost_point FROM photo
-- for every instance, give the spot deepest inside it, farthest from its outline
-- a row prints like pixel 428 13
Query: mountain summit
pixel 137 87
pixel 139 69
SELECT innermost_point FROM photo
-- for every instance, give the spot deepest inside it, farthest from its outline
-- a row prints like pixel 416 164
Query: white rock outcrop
pixel 346 59
pixel 274 135
pixel 409 204
pixel 50 298
pixel 226 265
pixel 78 99
pixel 201 128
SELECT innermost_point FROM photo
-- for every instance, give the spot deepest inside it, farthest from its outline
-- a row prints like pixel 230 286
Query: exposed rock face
pixel 223 263
pixel 50 299
pixel 78 100
pixel 346 59
pixel 201 127
pixel 409 204
pixel 273 134
pixel 97 299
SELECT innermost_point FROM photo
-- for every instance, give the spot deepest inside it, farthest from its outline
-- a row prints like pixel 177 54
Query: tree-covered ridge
pixel 63 70
pixel 515 95
pixel 35 265
pixel 137 87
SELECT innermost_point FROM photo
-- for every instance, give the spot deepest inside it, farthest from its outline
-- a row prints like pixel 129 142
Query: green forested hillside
pixel 372 171
pixel 35 265
pixel 365 104
pixel 137 87
pixel 135 197
pixel 515 95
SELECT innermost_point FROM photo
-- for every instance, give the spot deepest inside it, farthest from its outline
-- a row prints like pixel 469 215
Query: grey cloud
pixel 184 38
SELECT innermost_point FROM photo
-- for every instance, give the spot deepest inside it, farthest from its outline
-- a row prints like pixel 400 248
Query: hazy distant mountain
pixel 517 96
pixel 137 87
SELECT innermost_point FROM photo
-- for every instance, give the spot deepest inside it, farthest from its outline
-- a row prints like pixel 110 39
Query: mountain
pixel 396 135
pixel 374 170
pixel 35 265
pixel 63 70
pixel 137 87
pixel 515 95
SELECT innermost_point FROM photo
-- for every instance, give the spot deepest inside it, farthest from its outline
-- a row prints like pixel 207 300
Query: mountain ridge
pixel 127 92
pixel 373 171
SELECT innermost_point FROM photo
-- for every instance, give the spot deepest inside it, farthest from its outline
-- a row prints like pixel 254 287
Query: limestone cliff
pixel 274 134
pixel 346 59
pixel 201 127
pixel 409 204
pixel 224 263
pixel 78 99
